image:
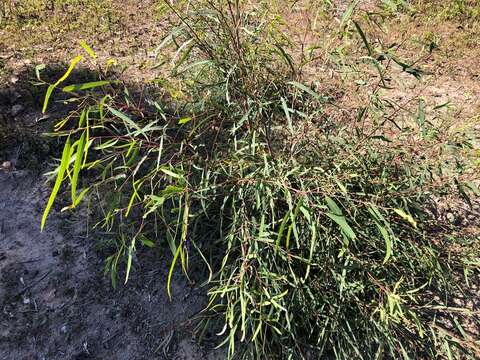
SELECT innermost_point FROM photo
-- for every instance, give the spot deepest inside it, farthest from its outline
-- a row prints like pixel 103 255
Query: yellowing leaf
pixel 88 49
pixel 406 217
pixel 50 89
pixel 184 120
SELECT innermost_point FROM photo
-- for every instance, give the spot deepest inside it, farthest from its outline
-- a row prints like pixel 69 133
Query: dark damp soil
pixel 55 300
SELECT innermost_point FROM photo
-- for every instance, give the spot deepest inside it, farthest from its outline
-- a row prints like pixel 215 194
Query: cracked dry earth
pixel 57 304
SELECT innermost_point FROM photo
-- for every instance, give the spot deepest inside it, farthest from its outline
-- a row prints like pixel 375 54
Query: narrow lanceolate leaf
pixel 80 196
pixel 306 89
pixel 286 57
pixel 58 182
pixel 282 229
pixel 52 87
pixel 171 173
pixel 364 38
pixel 313 244
pixel 88 49
pixel 337 216
pixel 85 86
pixel 129 122
pixel 131 249
pixel 348 13
pixel 170 272
pixel 77 165
pixel 379 221
pixel 388 241
pixel 421 116
pixel 332 205
pixel 406 217
pixel 342 223
pixel 186 212
pixel 287 114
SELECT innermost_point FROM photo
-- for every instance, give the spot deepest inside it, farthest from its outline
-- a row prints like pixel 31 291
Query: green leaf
pixel 131 249
pixel 39 68
pixel 348 13
pixel 58 182
pixel 282 228
pixel 80 196
pixel 50 89
pixel 85 86
pixel 473 188
pixel 170 272
pixel 388 241
pixel 77 165
pixel 332 205
pixel 306 89
pixel 287 110
pixel 364 38
pixel 342 223
pixel 421 116
pixel 286 57
pixel 379 219
pixel 336 215
pixel 171 173
pixel 129 122
pixel 146 242
pixel 170 189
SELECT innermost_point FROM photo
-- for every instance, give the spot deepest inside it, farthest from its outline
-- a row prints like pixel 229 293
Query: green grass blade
pixel 348 13
pixel 170 272
pixel 305 89
pixel 342 223
pixel 50 89
pixel 364 38
pixel 129 122
pixel 131 249
pixel 77 165
pixel 58 182
pixel 85 86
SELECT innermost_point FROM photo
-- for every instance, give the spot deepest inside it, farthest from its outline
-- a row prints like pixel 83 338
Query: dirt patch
pixel 57 304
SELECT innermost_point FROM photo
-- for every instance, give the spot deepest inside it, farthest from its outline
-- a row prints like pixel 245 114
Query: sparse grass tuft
pixel 31 25
pixel 450 10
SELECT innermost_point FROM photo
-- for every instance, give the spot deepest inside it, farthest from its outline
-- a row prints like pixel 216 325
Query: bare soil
pixel 55 300
pixel 56 303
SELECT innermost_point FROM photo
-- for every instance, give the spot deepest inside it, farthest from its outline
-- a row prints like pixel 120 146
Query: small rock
pixel 13 79
pixel 17 109
pixel 451 217
pixel 6 165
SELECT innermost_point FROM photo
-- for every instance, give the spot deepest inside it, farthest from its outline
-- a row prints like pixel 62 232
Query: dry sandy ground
pixel 56 303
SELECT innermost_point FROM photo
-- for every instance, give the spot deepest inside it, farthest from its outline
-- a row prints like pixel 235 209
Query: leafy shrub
pixel 316 231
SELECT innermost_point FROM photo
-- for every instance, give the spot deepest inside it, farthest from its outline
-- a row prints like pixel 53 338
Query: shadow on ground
pixel 56 302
